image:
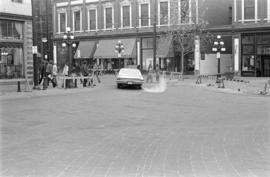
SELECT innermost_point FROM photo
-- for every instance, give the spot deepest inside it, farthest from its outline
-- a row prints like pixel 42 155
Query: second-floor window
pixel 126 16
pixel 62 22
pixel 144 21
pixel 184 11
pixel 163 13
pixel 77 21
pixel 249 9
pixel 92 19
pixel 11 30
pixel 108 18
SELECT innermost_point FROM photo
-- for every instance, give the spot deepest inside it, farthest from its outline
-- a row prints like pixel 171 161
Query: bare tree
pixel 185 25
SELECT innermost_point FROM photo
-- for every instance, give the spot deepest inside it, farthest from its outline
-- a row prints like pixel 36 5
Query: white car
pixel 129 77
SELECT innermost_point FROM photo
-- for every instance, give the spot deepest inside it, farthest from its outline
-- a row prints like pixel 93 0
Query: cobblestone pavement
pixel 185 131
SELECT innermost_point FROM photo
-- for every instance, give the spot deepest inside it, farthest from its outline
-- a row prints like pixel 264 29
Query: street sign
pixel 34 50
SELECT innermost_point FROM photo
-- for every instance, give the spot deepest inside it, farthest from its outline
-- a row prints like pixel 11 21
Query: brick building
pixel 16 59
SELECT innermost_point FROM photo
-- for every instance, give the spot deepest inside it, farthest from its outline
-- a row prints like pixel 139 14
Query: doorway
pixel 266 66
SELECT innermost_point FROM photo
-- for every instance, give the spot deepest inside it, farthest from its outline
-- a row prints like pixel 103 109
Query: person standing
pixel 157 72
pixel 149 73
pixel 84 71
pixel 95 70
pixel 54 74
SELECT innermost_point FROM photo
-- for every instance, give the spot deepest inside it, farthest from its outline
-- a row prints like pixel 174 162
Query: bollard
pixel 19 87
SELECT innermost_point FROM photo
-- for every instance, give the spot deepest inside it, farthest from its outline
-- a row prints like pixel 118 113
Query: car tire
pixel 119 86
pixel 139 86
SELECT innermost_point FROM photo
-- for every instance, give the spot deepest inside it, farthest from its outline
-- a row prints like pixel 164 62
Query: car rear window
pixel 129 72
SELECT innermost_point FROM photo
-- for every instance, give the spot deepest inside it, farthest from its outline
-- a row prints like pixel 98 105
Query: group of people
pixel 151 73
pixel 47 74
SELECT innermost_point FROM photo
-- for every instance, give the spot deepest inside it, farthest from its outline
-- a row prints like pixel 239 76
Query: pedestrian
pixel 84 71
pixel 54 74
pixel 42 70
pixel 48 74
pixel 149 73
pixel 157 72
pixel 45 77
pixel 95 71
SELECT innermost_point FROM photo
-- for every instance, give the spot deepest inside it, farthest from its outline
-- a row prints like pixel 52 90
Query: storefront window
pixel 263 39
pixel 248 63
pixel 248 49
pixel 11 29
pixel 248 39
pixel 11 62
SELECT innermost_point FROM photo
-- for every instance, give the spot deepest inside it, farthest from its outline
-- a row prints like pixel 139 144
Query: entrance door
pixel 266 66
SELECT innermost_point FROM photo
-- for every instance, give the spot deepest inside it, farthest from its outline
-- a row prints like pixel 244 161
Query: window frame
pixel 243 7
pixel 74 10
pixel 106 6
pixel 189 13
pixel 168 14
pixel 59 12
pixel 140 14
pixel 88 15
pixel 122 16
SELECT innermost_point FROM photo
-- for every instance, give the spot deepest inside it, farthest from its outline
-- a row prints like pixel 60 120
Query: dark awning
pixel 106 48
pixel 165 47
pixel 85 50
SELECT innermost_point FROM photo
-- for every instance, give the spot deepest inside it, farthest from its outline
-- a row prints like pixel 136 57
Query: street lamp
pixel 119 49
pixel 4 52
pixel 218 47
pixel 68 41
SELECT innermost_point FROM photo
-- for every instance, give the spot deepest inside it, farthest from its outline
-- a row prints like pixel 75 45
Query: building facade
pixel 16 59
pixel 100 24
pixel 251 22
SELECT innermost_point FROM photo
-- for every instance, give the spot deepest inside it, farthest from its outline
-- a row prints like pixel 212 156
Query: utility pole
pixel 35 61
pixel 155 35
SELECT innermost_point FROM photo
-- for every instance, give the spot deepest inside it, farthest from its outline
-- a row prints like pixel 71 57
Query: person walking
pixel 95 70
pixel 84 71
pixel 149 73
pixel 54 74
pixel 48 74
pixel 157 72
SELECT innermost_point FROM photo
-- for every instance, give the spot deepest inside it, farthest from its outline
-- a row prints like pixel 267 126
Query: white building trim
pixel 235 10
pixel 169 12
pixel 61 4
pixel 77 2
pixel 243 20
pixel 189 13
pixel 268 10
pixel 122 4
pixel 140 3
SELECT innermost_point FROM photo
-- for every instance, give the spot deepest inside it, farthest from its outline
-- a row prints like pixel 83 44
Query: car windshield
pixel 134 72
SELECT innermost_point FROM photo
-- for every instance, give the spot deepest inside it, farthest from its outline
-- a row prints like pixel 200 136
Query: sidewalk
pixel 241 85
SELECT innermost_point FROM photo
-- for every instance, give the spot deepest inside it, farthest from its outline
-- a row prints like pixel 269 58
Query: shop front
pixel 255 60
pixel 108 59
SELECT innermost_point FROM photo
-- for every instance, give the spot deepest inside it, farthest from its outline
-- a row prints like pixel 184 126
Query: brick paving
pixel 185 131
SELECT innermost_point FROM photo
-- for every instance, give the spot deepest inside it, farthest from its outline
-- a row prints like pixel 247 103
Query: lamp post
pixel 218 47
pixel 119 49
pixel 68 41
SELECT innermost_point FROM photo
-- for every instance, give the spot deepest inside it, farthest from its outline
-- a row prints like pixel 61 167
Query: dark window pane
pixel 77 18
pixel 147 43
pixel 263 39
pixel 109 17
pixel 248 49
pixel 248 62
pixel 248 39
pixel 92 14
pixel 184 11
pixel 144 15
pixel 62 22
pixel 163 13
pixel 249 9
pixel 126 16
